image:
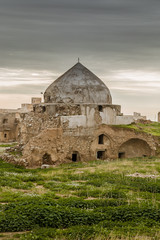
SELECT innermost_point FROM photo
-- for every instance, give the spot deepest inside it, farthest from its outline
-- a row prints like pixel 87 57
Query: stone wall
pixel 9 124
pixel 31 124
pixel 105 142
pixel 66 116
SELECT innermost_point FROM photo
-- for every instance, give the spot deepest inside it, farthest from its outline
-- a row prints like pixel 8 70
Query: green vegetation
pixel 96 200
pixel 8 145
pixel 151 128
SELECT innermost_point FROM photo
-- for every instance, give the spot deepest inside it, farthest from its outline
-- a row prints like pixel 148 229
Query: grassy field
pixel 150 128
pixel 80 201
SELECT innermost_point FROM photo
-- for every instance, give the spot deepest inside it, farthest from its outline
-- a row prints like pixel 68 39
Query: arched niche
pixel 134 147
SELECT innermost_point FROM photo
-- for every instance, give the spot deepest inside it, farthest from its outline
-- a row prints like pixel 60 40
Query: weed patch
pixel 105 202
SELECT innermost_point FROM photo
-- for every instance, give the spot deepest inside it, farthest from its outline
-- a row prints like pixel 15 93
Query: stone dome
pixel 78 85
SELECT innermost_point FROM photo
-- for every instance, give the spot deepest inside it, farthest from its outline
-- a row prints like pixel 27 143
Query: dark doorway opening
pixel 101 139
pixel 100 108
pixel 5 135
pixel 101 155
pixel 43 108
pixel 121 155
pixel 46 159
pixel 75 156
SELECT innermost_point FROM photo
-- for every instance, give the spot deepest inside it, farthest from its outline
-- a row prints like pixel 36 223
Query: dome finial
pixel 78 60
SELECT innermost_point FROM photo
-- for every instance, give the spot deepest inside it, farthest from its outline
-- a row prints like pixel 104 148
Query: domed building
pixel 77 122
pixel 78 85
pixel 80 98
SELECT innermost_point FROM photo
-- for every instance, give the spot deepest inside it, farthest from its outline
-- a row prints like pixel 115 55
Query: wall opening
pixel 101 155
pixel 135 147
pixel 101 139
pixel 5 120
pixel 5 135
pixel 46 159
pixel 75 156
pixel 121 155
pixel 43 108
pixel 100 108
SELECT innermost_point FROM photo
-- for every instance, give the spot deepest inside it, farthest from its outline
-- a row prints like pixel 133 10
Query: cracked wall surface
pixel 61 145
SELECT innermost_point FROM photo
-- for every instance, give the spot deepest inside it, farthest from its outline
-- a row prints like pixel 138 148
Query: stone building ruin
pixel 76 122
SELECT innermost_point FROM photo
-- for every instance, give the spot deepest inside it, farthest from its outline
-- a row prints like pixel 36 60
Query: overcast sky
pixel 118 40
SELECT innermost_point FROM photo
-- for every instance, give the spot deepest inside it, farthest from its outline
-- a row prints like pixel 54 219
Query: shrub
pixel 25 216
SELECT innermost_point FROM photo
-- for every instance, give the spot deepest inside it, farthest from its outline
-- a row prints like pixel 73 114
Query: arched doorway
pixel 134 147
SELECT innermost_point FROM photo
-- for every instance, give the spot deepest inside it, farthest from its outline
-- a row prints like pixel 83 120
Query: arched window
pixel 101 139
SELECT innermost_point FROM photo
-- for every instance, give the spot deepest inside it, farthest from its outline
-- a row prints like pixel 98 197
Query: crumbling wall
pixel 60 109
pixel 57 146
pixel 91 116
pixel 116 137
pixel 62 115
pixel 32 124
pixel 128 119
pixel 9 126
pixel 66 146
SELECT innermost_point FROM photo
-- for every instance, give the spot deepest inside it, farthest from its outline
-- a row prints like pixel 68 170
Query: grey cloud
pixel 24 89
pixel 106 34
pixel 33 30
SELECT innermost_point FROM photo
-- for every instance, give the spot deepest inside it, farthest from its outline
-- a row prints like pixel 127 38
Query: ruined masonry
pixel 76 122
